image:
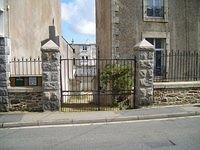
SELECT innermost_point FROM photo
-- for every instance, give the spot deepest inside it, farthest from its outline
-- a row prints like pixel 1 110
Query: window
pixel 155 10
pixel 87 57
pixel 159 45
pixel 84 47
pixel 32 81
pixel 73 50
pixel 74 61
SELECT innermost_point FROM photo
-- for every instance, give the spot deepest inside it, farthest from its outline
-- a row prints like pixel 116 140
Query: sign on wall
pixel 32 81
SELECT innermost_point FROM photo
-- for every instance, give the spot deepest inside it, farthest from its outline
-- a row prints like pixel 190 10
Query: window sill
pixel 155 19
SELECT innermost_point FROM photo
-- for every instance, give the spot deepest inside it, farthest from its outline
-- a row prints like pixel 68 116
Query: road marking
pixel 102 123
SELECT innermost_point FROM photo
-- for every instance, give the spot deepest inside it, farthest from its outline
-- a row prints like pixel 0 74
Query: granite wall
pixel 25 98
pixel 176 93
pixel 4 73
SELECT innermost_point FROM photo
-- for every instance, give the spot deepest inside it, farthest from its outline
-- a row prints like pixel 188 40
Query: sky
pixel 78 20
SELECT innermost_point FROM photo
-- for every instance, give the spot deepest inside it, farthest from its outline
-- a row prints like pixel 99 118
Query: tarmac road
pixel 162 134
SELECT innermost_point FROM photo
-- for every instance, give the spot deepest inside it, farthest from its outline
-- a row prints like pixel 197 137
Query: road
pixel 166 134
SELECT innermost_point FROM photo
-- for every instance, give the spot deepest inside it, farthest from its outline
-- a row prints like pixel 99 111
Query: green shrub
pixel 118 79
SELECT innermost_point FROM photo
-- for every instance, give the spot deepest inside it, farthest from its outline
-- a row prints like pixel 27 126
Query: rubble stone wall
pixel 25 99
pixel 176 93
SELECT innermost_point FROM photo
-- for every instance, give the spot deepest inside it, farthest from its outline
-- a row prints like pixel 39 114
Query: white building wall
pixel 2 8
pixel 66 66
pixel 85 68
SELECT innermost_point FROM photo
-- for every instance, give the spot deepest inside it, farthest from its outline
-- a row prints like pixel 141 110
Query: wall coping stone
pixel 172 85
pixel 50 46
pixel 144 45
pixel 24 89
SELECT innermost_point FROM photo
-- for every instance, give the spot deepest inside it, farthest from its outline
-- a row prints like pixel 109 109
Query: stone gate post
pixel 4 73
pixel 144 55
pixel 51 76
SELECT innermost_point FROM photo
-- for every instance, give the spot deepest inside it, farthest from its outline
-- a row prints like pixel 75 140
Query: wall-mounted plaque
pixel 32 81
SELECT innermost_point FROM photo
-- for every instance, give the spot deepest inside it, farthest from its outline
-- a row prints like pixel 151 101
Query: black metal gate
pixel 97 84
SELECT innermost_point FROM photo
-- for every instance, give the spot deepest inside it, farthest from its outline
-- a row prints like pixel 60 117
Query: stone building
pixel 167 24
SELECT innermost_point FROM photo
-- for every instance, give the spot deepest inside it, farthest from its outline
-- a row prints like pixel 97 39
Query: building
pixel 84 51
pixel 28 24
pixel 167 24
pixel 84 61
pixel 26 28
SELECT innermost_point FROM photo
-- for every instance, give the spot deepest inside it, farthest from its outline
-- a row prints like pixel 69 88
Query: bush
pixel 118 79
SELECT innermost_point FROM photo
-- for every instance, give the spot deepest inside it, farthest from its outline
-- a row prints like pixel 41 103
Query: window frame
pixel 162 69
pixel 85 47
pixel 162 35
pixel 155 18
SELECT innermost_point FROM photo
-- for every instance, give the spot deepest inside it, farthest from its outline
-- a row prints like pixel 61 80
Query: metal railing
pixel 107 85
pixel 178 66
pixel 26 67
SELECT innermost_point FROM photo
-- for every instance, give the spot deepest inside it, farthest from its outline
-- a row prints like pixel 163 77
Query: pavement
pixel 22 119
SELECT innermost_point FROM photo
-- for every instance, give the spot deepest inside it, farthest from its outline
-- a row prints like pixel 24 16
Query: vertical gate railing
pixel 97 84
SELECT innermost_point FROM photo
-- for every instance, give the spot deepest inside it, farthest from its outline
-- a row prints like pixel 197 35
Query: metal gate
pixel 97 84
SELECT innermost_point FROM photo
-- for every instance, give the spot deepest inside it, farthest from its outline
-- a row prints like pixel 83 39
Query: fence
pixel 96 84
pixel 177 66
pixel 26 67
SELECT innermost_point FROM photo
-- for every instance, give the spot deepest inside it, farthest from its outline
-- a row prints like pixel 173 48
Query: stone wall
pixel 144 55
pixel 51 76
pixel 25 99
pixel 4 73
pixel 176 93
